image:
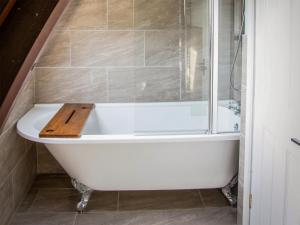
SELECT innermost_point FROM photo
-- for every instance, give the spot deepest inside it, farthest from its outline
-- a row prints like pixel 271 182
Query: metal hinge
pixel 250 201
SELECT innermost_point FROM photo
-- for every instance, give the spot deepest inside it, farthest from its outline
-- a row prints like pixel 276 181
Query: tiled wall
pixel 124 51
pixel 17 157
pixel 229 28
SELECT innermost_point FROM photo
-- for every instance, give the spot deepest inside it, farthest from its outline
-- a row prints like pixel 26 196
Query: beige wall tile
pixel 120 14
pixel 11 151
pixel 143 84
pixel 6 199
pixel 55 85
pixel 195 85
pixel 56 51
pixel 107 48
pixel 121 85
pixel 84 14
pixel 194 44
pixel 157 84
pixel 226 35
pixel 162 48
pixel 46 162
pixel 156 14
pixel 23 176
pixel 23 102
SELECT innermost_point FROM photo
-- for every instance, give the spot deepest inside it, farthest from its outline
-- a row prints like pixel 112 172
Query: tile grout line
pixel 201 198
pixel 118 202
pixel 144 48
pixel 133 16
pixel 107 85
pixel 115 30
pixel 10 174
pixel 75 219
pixel 33 201
pixel 104 67
pixel 70 48
pixel 107 15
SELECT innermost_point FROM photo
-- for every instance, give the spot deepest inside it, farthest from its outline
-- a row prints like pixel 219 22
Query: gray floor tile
pixel 201 216
pixel 52 201
pixel 103 201
pixel 27 202
pixel 213 198
pixel 139 200
pixel 58 200
pixel 44 219
pixel 65 200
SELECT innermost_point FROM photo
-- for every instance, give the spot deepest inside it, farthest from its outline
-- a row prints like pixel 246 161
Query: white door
pixel 292 209
pixel 276 160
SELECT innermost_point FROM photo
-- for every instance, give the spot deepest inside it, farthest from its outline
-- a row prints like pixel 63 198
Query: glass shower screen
pixel 172 86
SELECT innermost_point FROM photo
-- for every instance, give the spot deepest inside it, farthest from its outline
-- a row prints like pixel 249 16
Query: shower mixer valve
pixel 235 107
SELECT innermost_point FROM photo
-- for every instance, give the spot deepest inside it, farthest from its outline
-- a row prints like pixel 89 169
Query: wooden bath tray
pixel 68 122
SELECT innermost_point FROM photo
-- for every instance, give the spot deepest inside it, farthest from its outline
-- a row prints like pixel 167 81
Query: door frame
pixel 248 82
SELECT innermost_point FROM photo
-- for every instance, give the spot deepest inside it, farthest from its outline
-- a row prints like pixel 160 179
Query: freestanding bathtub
pixel 144 146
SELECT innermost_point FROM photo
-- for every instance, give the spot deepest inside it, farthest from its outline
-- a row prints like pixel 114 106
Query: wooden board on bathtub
pixel 68 122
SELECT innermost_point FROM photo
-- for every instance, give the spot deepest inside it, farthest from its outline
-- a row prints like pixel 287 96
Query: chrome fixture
pixel 228 191
pixel 235 107
pixel 238 38
pixel 85 194
pixel 236 127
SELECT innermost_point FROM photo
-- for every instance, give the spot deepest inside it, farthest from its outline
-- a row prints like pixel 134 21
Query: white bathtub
pixel 145 146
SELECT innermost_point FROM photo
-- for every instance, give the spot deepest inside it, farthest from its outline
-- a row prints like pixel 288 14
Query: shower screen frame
pixel 214 65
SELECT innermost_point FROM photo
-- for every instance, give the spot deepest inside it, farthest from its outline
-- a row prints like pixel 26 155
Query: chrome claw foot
pixel 228 192
pixel 85 194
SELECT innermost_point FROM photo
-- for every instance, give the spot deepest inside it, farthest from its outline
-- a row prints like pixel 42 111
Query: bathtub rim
pixel 27 131
pixel 106 139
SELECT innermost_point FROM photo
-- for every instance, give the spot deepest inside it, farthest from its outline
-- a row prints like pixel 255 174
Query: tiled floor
pixel 52 201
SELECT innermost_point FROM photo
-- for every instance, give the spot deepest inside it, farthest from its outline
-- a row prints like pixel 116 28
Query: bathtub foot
pixel 228 191
pixel 85 194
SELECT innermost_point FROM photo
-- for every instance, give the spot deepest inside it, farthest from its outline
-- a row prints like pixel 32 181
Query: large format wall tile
pixel 57 50
pixel 144 84
pixel 6 199
pixel 121 85
pixel 162 48
pixel 107 48
pixel 84 14
pixel 157 84
pixel 23 176
pixel 194 44
pixel 195 85
pixel 23 102
pixel 226 44
pixel 58 86
pixel 156 14
pixel 12 149
pixel 120 14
